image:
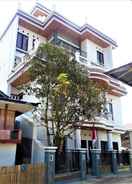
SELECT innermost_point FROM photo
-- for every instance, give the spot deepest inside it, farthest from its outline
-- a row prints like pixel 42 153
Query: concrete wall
pixel 7 54
pixel 91 49
pixel 38 153
pixel 102 136
pixel 31 35
pixel 27 126
pixel 7 154
pixel 117 110
pixel 117 138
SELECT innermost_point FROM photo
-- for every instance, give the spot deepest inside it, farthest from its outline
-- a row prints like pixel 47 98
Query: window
pixel 100 58
pixel 111 110
pixel 83 144
pixel 22 41
pixel 104 146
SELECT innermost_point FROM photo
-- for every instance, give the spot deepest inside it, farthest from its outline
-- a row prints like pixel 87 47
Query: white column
pixel 110 143
pixel 130 139
pixel 98 140
pixel 77 138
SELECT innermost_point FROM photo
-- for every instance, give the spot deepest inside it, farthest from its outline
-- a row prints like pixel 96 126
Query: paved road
pixel 112 180
pixel 122 179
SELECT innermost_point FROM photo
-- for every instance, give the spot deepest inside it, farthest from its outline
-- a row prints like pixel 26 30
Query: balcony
pixel 10 136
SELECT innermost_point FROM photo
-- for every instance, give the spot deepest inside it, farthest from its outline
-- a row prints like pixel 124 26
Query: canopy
pixel 122 73
pixel 15 105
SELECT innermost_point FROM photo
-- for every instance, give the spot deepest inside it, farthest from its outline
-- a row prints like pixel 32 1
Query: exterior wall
pixel 130 137
pixel 7 154
pixel 86 134
pixel 102 136
pixel 31 35
pixel 117 138
pixel 91 49
pixel 117 111
pixel 27 127
pixel 7 50
pixel 38 153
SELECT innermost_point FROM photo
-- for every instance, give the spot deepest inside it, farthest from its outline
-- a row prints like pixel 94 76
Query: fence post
pixel 96 162
pixel 114 167
pixel 49 160
pixel 82 159
pixel 130 158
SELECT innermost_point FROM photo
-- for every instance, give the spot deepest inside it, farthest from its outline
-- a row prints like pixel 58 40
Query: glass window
pixel 22 41
pixel 111 110
pixel 100 58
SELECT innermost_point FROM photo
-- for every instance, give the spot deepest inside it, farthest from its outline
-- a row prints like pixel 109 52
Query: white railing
pixel 22 60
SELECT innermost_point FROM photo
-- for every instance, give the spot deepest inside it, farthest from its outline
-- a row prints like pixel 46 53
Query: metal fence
pixel 106 161
pixel 66 161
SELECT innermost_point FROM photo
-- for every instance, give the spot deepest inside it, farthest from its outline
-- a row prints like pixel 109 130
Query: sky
pixel 112 17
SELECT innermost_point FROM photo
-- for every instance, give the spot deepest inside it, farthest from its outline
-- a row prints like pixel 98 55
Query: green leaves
pixel 66 88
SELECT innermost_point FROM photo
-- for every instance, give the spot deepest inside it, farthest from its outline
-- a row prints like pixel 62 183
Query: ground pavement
pixel 119 179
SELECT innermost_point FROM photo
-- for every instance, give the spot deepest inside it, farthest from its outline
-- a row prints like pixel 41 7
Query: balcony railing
pixel 10 136
pixel 16 96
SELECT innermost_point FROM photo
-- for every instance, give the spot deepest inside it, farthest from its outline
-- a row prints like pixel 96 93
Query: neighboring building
pixel 126 138
pixel 10 134
pixel 91 47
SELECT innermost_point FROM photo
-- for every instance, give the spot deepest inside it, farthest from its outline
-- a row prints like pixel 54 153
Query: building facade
pixel 10 132
pixel 91 47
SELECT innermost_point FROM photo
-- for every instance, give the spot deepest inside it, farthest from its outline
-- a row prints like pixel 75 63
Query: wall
pixel 31 35
pixel 7 54
pixel 27 127
pixel 7 154
pixel 130 137
pixel 91 49
pixel 102 136
pixel 38 153
pixel 117 138
pixel 117 110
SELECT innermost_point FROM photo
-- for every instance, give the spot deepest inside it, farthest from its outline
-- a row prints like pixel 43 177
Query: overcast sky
pixel 112 17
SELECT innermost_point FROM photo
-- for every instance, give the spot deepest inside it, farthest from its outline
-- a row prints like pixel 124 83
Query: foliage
pixel 68 96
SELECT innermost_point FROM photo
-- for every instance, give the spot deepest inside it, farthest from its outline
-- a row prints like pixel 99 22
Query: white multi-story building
pixel 91 47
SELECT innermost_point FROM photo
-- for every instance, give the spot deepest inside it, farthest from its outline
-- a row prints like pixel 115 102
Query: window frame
pixel 100 57
pixel 20 45
pixel 110 106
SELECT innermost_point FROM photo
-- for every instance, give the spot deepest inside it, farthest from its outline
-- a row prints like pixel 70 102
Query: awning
pixel 16 105
pixel 122 73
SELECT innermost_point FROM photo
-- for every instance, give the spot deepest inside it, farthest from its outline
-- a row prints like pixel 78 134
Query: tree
pixel 67 95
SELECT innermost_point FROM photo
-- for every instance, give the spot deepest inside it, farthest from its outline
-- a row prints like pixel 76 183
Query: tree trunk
pixel 59 142
pixel 46 121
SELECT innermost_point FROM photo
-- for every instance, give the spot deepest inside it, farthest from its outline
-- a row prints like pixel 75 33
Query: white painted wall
pixel 91 49
pixel 117 111
pixel 30 35
pixel 117 138
pixel 37 153
pixel 28 127
pixel 7 154
pixel 7 54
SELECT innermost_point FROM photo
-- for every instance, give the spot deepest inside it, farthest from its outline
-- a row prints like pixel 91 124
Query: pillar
pixel 83 167
pixel 114 167
pixel 49 160
pixel 96 162
pixel 77 138
pixel 110 142
pixel 130 158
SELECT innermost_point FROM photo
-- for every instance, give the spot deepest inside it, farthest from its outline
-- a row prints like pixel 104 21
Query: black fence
pixel 67 161
pixel 106 161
